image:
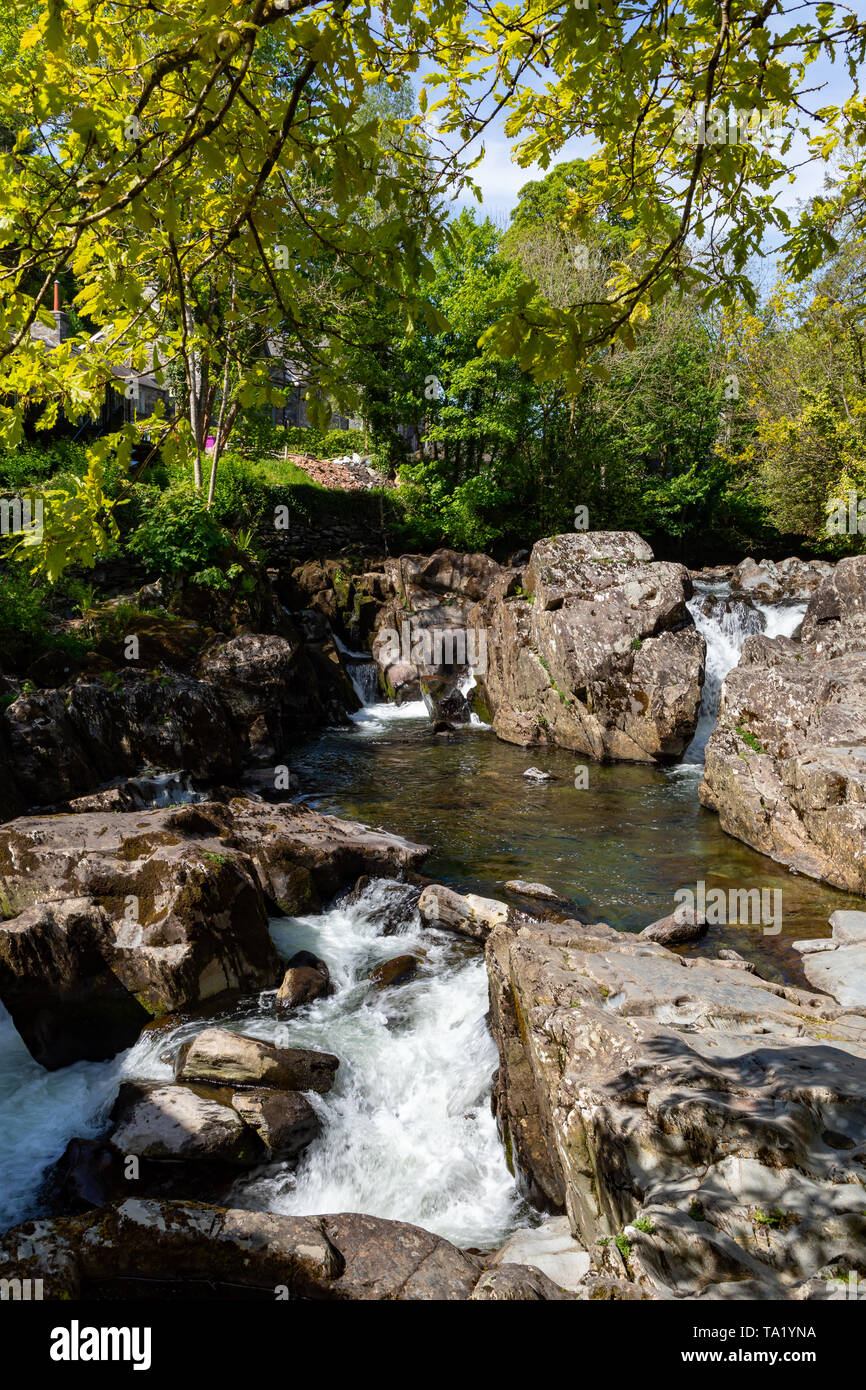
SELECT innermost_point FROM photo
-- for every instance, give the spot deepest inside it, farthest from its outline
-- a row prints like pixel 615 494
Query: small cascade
pixel 362 672
pixel 725 622
pixel 364 676
pixel 467 683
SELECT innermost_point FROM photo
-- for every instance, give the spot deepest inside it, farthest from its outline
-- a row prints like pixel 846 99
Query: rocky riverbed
pixel 290 1018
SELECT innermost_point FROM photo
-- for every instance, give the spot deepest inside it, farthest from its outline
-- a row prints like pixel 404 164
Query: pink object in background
pixel 209 442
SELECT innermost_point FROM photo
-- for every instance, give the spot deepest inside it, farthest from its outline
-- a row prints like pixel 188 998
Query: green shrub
pixel 176 534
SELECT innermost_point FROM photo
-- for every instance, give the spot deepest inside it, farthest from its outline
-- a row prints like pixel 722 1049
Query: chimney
pixel 61 319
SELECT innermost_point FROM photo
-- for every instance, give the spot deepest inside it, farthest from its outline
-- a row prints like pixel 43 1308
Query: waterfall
pixel 725 622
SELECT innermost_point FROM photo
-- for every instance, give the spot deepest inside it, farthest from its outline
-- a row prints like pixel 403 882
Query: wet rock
pixel 394 972
pixel 680 927
pixel 387 903
pixel 513 1282
pixel 424 639
pixel 173 1122
pixel 446 702
pixel 682 1106
pixel 597 652
pixel 302 984
pixel 774 581
pixel 84 1177
pixel 219 1057
pixel 285 1121
pixel 535 774
pixel 786 764
pixel 470 915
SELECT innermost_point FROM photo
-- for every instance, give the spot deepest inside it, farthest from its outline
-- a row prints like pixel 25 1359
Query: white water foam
pixel 408 1131
pixel 373 718
pixel 40 1111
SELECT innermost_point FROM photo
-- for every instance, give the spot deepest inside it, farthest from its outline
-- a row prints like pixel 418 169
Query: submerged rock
pixel 394 972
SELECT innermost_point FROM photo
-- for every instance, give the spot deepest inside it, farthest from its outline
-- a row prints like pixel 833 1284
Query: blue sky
pixel 500 179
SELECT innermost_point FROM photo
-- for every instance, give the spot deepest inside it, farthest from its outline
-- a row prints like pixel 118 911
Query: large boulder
pixel 592 647
pixel 786 764
pixel 64 743
pixel 114 918
pixel 220 1057
pixel 703 1130
pixel 268 683
pixel 174 1122
pixel 211 1125
pixel 217 1251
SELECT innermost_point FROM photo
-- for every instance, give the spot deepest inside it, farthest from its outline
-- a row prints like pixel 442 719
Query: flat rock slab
pixel 714 1121
pixel 841 973
pixel 849 928
pixel 550 1248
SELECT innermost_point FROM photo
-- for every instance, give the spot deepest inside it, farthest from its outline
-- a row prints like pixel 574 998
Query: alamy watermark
pixel 846 516
pixel 22 516
pixel 719 125
pixel 434 646
pixel 752 907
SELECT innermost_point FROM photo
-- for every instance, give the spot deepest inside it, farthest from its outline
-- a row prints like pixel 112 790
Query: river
pixel 407 1129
